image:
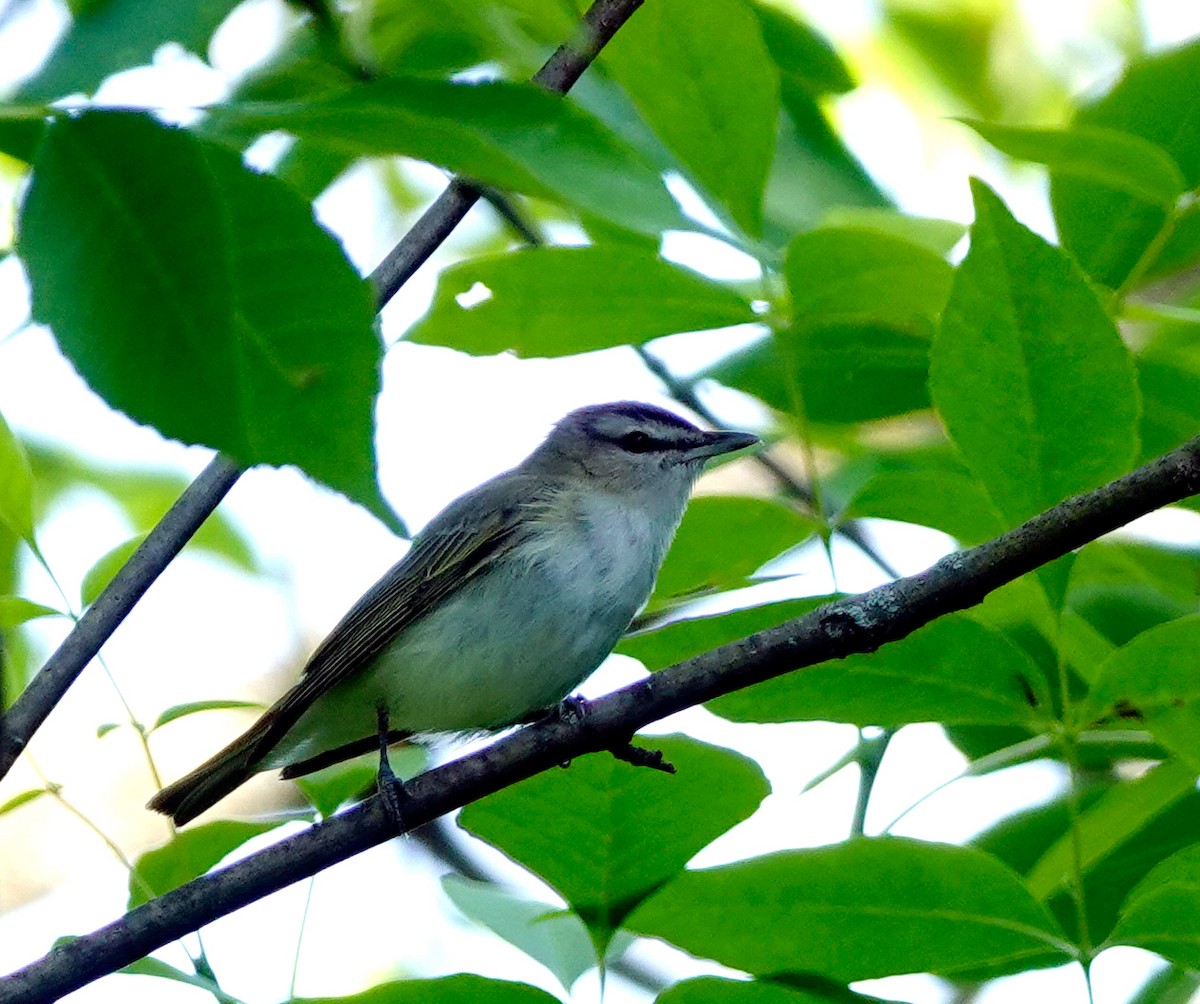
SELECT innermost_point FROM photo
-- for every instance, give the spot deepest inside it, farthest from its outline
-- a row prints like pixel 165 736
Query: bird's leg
pixel 389 787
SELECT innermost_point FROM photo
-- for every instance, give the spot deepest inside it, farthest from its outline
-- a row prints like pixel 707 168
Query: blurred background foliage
pixel 905 378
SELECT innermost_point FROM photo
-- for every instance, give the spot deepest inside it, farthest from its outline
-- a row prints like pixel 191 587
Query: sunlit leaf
pixel 16 610
pixel 556 301
pixel 101 573
pixel 183 710
pixel 16 485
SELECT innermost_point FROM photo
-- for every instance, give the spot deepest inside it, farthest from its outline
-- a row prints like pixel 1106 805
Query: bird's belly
pixel 510 643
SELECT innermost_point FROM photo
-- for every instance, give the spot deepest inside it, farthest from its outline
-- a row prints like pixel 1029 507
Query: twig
pixel 111 607
pixel 856 624
pixel 197 503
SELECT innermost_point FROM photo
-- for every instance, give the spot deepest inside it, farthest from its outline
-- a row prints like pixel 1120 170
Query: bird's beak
pixel 716 443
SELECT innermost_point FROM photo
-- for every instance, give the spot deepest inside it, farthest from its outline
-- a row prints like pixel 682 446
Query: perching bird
pixel 504 604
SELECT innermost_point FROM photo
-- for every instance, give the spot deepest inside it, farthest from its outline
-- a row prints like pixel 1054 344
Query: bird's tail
pixel 219 775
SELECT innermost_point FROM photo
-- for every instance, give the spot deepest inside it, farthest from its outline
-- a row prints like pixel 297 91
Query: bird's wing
pixel 453 550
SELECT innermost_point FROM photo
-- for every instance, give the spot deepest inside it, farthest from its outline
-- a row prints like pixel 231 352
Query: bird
pixel 505 603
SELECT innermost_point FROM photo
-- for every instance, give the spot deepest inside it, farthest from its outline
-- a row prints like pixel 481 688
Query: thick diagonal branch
pixel 854 625
pixel 198 502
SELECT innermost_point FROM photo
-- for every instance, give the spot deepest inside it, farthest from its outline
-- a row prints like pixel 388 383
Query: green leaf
pixel 949 501
pixel 463 989
pixel 618 832
pixel 329 789
pixel 1024 336
pixel 104 38
pixel 16 485
pixel 812 171
pixel 712 990
pixel 856 372
pixel 1116 816
pixel 150 966
pixel 1153 679
pixel 1170 402
pixel 102 572
pixel 189 855
pixel 957 909
pixel 723 539
pixel 954 670
pixel 555 301
pixel 16 610
pixel 183 710
pixel 514 136
pixel 22 799
pixel 144 496
pixel 200 297
pixel 664 646
pixel 546 933
pixel 1117 159
pixel 701 76
pixel 1108 230
pixel 848 273
pixel 805 59
pixel 1162 913
pixel 105 728
pixel 938 236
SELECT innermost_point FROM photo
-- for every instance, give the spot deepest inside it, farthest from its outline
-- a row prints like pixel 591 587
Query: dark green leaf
pixel 555 301
pixel 189 855
pixel 16 610
pixel 1024 336
pixel 722 539
pixel 115 35
pixel 1108 230
pixel 957 908
pixel 201 298
pixel 700 74
pixel 183 710
pixel 837 273
pixel 949 501
pixel 463 989
pixel 841 372
pixel 514 136
pixel 1162 913
pixel 953 670
pixel 546 933
pixel 712 990
pixel 16 485
pixel 804 58
pixel 1119 160
pixel 102 572
pixel 618 832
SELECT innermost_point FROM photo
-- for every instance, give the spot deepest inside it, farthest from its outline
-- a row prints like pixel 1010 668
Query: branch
pixel 201 498
pixel 856 624
pixel 111 607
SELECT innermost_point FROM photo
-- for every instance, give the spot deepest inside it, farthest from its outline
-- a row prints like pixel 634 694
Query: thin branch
pixel 201 498
pixel 111 607
pixel 853 625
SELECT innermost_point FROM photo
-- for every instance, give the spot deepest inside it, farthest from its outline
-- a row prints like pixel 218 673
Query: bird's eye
pixel 635 442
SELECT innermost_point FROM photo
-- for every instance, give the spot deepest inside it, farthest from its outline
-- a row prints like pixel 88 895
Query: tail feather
pixel 203 787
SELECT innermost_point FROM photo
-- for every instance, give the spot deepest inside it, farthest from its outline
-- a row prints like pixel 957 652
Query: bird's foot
pixel 388 786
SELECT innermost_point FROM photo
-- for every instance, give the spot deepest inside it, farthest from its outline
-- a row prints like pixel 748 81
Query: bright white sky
pixel 445 423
